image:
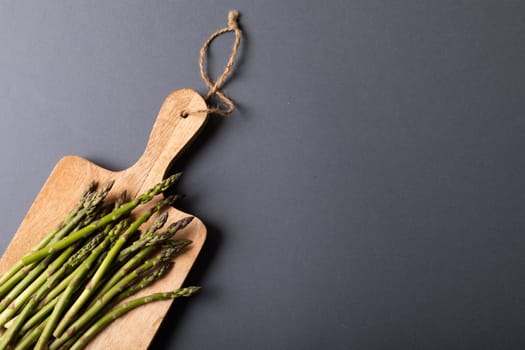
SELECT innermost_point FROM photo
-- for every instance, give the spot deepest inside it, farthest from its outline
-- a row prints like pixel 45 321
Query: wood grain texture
pixel 170 135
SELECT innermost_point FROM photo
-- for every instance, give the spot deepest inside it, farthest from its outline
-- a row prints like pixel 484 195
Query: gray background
pixel 368 193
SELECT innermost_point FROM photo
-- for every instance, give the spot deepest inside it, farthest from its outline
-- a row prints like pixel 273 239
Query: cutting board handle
pixel 180 119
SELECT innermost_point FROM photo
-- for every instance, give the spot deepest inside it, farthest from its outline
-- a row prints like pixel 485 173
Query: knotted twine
pixel 214 87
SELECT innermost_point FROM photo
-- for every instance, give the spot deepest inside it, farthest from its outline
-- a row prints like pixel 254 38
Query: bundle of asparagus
pixel 75 281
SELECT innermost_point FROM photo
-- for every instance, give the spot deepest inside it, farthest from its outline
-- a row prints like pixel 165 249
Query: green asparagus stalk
pixel 28 310
pixel 163 237
pixel 10 335
pixel 20 287
pixel 80 255
pixel 141 242
pixel 47 305
pixel 90 203
pixel 47 309
pixel 69 225
pixel 39 287
pixel 85 199
pixel 32 274
pixel 65 282
pixel 165 255
pixel 30 331
pixel 30 338
pixel 70 295
pixel 105 266
pixel 150 239
pixel 18 266
pixel 78 277
pixel 35 325
pixel 135 261
pixel 176 247
pixel 130 290
pixel 37 291
pixel 120 310
pixel 16 277
pixel 146 281
pixel 35 279
pixel 41 315
pixel 114 215
pixel 72 264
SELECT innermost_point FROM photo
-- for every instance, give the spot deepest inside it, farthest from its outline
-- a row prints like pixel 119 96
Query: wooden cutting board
pixel 169 137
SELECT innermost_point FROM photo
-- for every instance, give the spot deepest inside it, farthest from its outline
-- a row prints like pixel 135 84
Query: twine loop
pixel 214 87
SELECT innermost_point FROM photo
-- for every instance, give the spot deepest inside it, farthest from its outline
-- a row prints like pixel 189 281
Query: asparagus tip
pixel 160 221
pixel 189 291
pixel 180 224
pixel 186 221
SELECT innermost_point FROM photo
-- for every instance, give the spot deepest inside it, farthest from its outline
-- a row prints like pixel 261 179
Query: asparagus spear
pixel 36 324
pixel 34 293
pixel 85 208
pixel 37 318
pixel 80 255
pixel 106 264
pixel 85 199
pixel 30 338
pixel 89 205
pixel 114 215
pixel 132 289
pixel 165 255
pixel 18 266
pixel 147 242
pixel 32 271
pixel 73 261
pixel 141 242
pixel 78 278
pixel 150 239
pixel 147 280
pixel 137 259
pixel 120 310
pixel 18 296
pixel 111 258
pixel 47 305
pixel 73 265
pixel 16 327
